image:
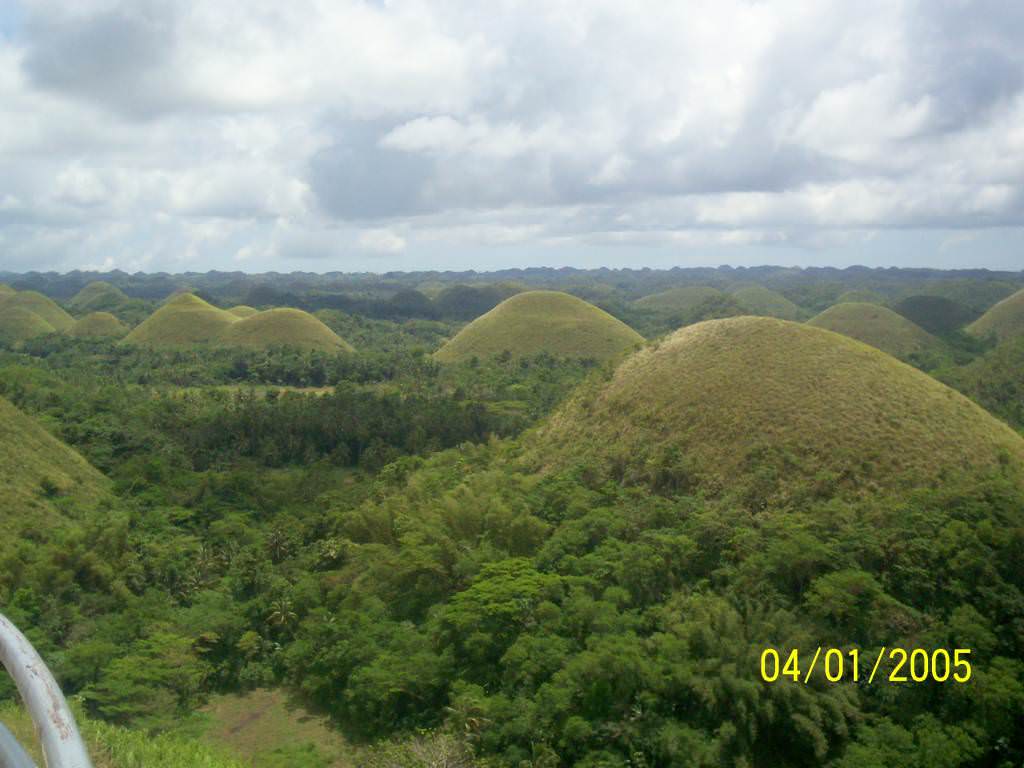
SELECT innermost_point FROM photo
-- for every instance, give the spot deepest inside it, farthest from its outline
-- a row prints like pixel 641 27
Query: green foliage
pixel 1003 321
pixel 880 327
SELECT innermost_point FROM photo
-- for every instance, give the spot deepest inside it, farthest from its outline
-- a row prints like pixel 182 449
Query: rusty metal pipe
pixel 55 725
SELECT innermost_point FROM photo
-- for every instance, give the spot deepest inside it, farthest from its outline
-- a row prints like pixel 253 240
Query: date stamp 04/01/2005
pixel 893 665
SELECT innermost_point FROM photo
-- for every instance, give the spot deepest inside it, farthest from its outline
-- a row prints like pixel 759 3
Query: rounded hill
pixel 36 469
pixel 5 289
pixel 1005 320
pixel 864 295
pixel 41 305
pixel 878 326
pixel 775 408
pixel 98 325
pixel 183 319
pixel 284 326
pixel 542 321
pixel 18 324
pixel 683 300
pixel 98 297
pixel 936 314
pixel 243 311
pixel 764 302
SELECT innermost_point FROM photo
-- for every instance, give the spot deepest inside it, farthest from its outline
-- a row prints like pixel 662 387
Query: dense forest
pixel 402 544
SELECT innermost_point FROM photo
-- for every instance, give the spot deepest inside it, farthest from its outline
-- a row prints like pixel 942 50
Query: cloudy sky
pixel 390 134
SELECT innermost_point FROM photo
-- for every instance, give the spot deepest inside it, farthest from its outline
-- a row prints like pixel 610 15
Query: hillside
pixel 284 326
pixel 878 326
pixel 683 300
pixel 936 314
pixel 42 305
pixel 37 470
pixel 98 325
pixel 861 295
pixel 763 302
pixel 1003 321
pixel 995 380
pixel 5 290
pixel 18 324
pixel 97 297
pixel 542 321
pixel 182 320
pixel 243 311
pixel 757 402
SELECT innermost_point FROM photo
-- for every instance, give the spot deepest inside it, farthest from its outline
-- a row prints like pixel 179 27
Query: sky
pixel 377 135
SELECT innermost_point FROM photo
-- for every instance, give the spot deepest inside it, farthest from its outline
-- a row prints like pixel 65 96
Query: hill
pixel 995 380
pixel 878 326
pixel 243 311
pixel 98 297
pixel 936 314
pixel 1003 321
pixel 5 290
pixel 37 470
pixel 761 301
pixel 976 295
pixel 182 320
pixel 684 299
pixel 542 321
pixel 42 305
pixel 862 295
pixel 284 326
pixel 18 324
pixel 776 409
pixel 98 325
pixel 466 302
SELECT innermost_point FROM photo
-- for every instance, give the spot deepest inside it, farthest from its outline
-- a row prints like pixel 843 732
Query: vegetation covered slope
pixel 243 311
pixel 776 403
pixel 878 326
pixel 1004 320
pixel 995 380
pixel 42 305
pixel 684 299
pixel 36 470
pixel 97 325
pixel 5 289
pixel 542 321
pixel 19 324
pixel 936 314
pixel 764 302
pixel 182 320
pixel 284 327
pixel 862 295
pixel 97 297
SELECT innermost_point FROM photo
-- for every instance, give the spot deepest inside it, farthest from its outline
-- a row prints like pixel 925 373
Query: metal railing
pixel 54 723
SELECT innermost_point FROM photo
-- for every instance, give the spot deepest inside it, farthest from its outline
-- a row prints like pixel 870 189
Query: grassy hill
pixel 284 326
pixel 995 380
pixel 243 311
pixel 42 305
pixel 19 324
pixel 777 407
pixel 1004 320
pixel 862 295
pixel 97 325
pixel 5 289
pixel 936 314
pixel 977 295
pixel 97 297
pixel 542 321
pixel 183 319
pixel 37 471
pixel 761 301
pixel 878 326
pixel 683 300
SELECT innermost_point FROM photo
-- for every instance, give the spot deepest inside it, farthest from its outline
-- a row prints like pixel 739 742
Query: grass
pixel 43 306
pixel 864 295
pixel 98 324
pixel 1004 320
pixel 739 401
pixel 37 471
pixel 542 321
pixel 97 297
pixel 978 295
pixel 18 324
pixel 291 327
pixel 243 311
pixel 761 301
pixel 682 300
pixel 265 729
pixel 878 326
pixel 183 319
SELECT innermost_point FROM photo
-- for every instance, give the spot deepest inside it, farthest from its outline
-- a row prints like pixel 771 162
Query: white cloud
pixel 382 242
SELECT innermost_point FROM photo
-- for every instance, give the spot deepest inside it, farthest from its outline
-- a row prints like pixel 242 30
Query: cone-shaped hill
pixel 878 326
pixel 6 290
pixel 778 407
pixel 36 469
pixel 683 300
pixel 542 321
pixel 243 311
pixel 41 305
pixel 183 319
pixel 861 295
pixel 1004 320
pixel 98 297
pixel 764 302
pixel 284 326
pixel 18 324
pixel 98 325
